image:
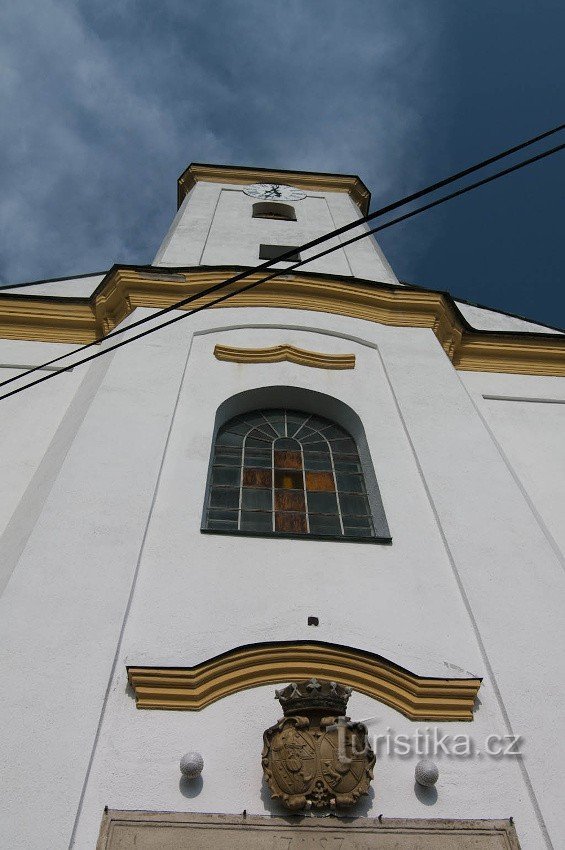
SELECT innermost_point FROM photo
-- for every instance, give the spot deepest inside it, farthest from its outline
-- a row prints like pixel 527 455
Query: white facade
pixel 103 563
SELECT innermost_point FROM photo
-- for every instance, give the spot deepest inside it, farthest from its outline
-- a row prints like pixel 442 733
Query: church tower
pixel 287 572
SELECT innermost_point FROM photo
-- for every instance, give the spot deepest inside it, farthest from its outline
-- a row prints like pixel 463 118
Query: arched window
pixel 289 473
pixel 266 209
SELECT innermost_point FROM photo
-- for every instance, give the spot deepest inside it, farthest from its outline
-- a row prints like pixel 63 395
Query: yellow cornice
pixel 194 688
pixel 81 320
pixel 279 353
pixel 242 176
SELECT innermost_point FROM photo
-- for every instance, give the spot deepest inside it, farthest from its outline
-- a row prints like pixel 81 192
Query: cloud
pixel 104 104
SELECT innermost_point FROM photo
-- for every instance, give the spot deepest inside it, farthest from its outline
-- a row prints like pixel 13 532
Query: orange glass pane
pixel 320 481
pixel 257 477
pixel 288 479
pixel 288 460
pixel 289 500
pixel 291 522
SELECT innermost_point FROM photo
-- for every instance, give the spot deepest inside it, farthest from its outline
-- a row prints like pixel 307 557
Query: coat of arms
pixel 315 756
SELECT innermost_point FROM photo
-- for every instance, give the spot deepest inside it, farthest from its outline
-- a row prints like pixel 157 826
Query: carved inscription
pixel 123 830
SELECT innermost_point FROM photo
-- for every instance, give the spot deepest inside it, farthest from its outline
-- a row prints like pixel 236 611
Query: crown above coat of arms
pixel 314 695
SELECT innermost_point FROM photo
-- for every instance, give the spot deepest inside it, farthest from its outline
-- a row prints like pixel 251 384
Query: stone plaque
pixel 125 830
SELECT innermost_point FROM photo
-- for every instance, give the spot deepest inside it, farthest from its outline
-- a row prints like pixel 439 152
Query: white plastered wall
pixel 440 599
pixel 214 226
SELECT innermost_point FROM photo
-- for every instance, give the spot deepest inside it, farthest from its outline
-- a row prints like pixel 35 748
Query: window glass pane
pixel 317 460
pixel 257 478
pixel 288 460
pixel 357 532
pixel 351 504
pixel 240 428
pixel 225 438
pixel 288 479
pixel 317 449
pixel 260 442
pixel 357 521
pixel 320 481
pixel 258 457
pixel 349 483
pixel 227 456
pixel 291 522
pixel 343 445
pixel 226 475
pixel 219 525
pixel 324 524
pixel 332 431
pixel 314 442
pixel 275 419
pixel 319 422
pixel 294 421
pixel 347 465
pixel 256 500
pixel 302 432
pixel 322 503
pixel 214 513
pixel 289 500
pixel 224 497
pixel 287 443
pixel 256 521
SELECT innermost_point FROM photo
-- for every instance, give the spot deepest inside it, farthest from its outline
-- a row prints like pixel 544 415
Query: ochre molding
pixel 193 688
pixel 307 180
pixel 80 320
pixel 279 353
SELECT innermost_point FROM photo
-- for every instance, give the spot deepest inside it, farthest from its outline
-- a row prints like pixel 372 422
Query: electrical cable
pixel 263 266
pixel 285 271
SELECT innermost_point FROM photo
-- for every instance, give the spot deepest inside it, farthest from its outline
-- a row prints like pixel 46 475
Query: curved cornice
pixel 317 181
pixel 80 320
pixel 193 688
pixel 279 353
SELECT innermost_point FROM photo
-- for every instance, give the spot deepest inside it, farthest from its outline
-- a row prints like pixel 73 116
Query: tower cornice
pixel 242 175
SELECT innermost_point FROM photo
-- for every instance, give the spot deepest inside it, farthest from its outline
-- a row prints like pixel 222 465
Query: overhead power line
pixel 263 266
pixel 286 270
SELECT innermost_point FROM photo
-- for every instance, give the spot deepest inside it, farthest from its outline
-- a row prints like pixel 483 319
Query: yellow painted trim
pixel 279 353
pixel 124 288
pixel 308 181
pixel 194 688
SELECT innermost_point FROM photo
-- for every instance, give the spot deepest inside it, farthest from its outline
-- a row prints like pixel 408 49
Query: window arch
pixel 291 473
pixel 267 209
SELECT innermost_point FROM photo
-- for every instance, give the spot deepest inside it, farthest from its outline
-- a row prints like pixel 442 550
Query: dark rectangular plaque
pixel 127 830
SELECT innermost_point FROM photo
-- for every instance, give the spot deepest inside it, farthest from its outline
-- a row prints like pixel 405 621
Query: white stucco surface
pixel 215 226
pixel 490 320
pixel 66 287
pixel 103 563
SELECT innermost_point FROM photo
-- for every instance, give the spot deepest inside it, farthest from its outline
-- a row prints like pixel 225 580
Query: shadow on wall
pixel 190 788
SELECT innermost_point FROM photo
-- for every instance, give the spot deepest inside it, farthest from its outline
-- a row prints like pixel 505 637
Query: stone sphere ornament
pixel 191 765
pixel 426 773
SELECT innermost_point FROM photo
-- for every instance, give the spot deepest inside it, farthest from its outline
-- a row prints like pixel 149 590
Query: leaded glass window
pixel 289 473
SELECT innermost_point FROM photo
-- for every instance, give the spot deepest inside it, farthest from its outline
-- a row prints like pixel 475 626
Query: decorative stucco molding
pixel 80 320
pixel 278 353
pixel 193 688
pixel 309 180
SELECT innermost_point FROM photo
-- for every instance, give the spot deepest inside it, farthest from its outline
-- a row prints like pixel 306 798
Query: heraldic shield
pixel 314 756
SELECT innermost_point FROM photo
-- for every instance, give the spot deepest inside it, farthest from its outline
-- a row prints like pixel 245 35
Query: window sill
pixel 277 535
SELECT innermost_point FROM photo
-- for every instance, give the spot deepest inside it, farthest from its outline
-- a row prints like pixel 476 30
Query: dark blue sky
pixel 104 103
